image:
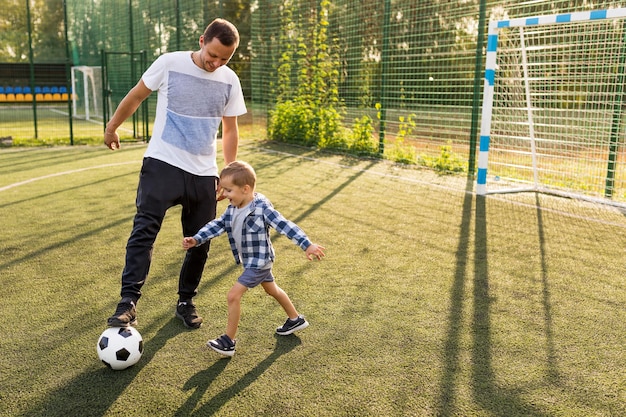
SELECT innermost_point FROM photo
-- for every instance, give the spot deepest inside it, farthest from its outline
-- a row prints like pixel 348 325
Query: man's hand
pixel 111 140
pixel 219 193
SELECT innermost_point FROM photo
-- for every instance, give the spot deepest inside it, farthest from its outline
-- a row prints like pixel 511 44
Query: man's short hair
pixel 224 31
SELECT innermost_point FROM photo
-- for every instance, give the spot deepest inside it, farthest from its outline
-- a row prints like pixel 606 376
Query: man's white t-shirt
pixel 190 105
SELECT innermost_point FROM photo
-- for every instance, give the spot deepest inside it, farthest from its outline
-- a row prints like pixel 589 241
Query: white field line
pixel 380 174
pixel 58 174
pixel 96 122
pixel 453 189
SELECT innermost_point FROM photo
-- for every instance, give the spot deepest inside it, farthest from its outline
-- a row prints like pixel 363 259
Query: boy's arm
pixel 295 233
pixel 287 228
pixel 212 229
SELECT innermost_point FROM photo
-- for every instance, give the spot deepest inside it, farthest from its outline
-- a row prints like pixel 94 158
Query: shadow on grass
pixel 31 199
pixel 47 157
pixel 203 379
pixel 486 393
pixel 553 374
pixel 93 392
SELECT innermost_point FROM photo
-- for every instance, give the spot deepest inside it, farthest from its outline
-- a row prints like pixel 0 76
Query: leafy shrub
pixel 401 152
pixel 295 122
pixel 447 162
pixel 310 114
pixel 361 137
pixel 291 122
pixel 329 129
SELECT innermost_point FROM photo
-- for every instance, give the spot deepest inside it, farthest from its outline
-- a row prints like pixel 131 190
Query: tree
pixel 47 31
pixel 13 43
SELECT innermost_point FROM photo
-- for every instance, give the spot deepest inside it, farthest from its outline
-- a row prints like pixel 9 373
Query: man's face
pixel 214 54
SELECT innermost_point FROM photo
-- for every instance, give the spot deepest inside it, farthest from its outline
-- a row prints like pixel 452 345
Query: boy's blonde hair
pixel 241 173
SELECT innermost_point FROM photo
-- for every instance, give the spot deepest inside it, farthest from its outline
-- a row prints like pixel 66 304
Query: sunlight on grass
pixel 430 301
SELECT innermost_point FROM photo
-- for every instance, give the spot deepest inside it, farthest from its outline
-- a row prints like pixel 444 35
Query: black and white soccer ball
pixel 120 347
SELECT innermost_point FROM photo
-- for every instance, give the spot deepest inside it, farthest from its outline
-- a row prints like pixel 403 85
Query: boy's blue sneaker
pixel 223 345
pixel 291 326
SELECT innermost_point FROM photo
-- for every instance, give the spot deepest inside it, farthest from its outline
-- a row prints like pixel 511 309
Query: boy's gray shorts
pixel 253 277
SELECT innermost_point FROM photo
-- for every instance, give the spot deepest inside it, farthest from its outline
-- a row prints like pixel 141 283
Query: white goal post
pixel 87 92
pixel 552 116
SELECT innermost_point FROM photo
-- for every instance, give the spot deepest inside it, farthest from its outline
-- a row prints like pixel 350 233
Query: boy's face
pixel 238 196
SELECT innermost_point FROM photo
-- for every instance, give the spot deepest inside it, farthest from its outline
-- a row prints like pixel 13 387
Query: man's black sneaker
pixel 291 326
pixel 186 311
pixel 125 315
pixel 223 345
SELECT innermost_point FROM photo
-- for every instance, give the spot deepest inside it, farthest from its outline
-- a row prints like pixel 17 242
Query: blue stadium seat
pixel 26 90
pixel 63 89
pixel 9 90
pixel 2 90
pixel 17 90
pixel 45 90
pixel 54 89
pixel 38 90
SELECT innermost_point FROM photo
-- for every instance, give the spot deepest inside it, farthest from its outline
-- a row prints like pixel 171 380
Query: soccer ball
pixel 120 347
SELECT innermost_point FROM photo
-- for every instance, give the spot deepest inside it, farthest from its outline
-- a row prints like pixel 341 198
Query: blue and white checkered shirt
pixel 255 240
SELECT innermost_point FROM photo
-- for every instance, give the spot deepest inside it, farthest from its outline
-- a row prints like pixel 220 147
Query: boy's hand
pixel 189 242
pixel 315 251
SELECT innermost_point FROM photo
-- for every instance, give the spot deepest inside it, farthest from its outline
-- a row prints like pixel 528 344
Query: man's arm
pixel 126 108
pixel 230 138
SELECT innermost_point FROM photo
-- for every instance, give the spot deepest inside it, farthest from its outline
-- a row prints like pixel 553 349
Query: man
pixel 196 91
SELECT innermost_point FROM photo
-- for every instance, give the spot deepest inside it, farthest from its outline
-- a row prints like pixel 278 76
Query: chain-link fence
pixel 86 35
pixel 415 69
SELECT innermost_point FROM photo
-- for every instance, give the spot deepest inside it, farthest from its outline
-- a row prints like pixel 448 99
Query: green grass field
pixel 430 302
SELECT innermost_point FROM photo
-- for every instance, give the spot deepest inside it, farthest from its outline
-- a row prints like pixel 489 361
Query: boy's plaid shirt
pixel 255 241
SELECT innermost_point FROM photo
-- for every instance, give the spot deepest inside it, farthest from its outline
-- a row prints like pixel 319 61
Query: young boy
pixel 247 221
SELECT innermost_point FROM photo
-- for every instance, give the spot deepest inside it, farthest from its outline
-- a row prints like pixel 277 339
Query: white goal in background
pixel 553 106
pixel 87 92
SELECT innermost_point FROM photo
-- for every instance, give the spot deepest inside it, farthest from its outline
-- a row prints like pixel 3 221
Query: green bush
pixel 330 131
pixel 447 162
pixel 294 122
pixel 401 152
pixel 361 137
pixel 311 113
pixel 291 122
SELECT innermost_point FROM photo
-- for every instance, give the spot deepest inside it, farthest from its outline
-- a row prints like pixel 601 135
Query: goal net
pixel 87 92
pixel 552 117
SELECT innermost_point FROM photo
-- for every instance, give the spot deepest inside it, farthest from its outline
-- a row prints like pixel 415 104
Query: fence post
pixel 383 77
pixel 177 8
pixel 477 82
pixel 32 65
pixel 68 66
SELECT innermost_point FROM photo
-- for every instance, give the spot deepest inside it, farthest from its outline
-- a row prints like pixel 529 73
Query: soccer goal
pixel 552 114
pixel 87 92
